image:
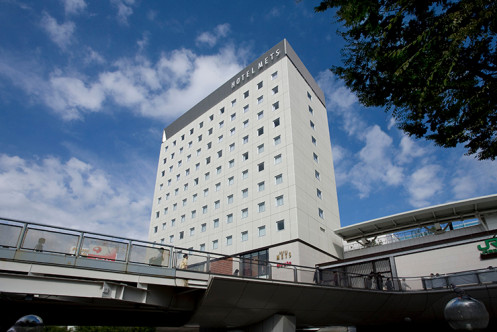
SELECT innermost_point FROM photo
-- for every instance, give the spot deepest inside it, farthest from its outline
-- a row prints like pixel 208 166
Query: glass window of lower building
pixel 254 264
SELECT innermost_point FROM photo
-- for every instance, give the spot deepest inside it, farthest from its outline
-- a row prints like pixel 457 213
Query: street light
pixel 465 312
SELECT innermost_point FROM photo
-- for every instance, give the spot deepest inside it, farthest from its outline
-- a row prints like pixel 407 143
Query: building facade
pixel 249 170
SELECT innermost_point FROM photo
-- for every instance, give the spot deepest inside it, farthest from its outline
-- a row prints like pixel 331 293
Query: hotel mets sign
pixel 258 66
pixel 489 250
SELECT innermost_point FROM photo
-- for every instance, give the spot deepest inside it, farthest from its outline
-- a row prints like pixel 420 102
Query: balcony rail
pixel 38 243
pixel 409 235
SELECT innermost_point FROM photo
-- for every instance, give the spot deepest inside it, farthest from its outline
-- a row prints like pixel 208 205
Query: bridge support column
pixel 275 323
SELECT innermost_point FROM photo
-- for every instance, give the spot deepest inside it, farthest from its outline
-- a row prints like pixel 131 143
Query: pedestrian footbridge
pixel 70 277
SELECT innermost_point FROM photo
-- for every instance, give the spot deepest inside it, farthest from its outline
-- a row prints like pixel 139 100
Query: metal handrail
pixel 139 252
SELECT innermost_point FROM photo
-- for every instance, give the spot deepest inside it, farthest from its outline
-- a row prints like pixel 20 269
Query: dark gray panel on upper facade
pixel 263 63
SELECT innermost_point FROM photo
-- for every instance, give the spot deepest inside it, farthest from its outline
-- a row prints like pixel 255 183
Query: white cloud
pixel 74 6
pixel 472 177
pixel 424 184
pixel 409 150
pixel 211 38
pixel 60 34
pixel 164 89
pixel 124 9
pixel 72 194
pixel 374 167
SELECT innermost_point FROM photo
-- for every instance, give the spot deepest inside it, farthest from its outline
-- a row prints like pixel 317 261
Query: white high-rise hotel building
pixel 249 171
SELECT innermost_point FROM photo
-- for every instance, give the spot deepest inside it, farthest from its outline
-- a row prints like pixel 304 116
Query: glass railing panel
pixel 43 240
pixel 223 265
pixel 9 235
pixel 191 260
pixel 143 254
pixel 282 272
pixel 101 248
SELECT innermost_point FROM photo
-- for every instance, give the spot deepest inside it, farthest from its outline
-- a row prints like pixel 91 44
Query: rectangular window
pixel 316 175
pixel 233 103
pixel 229 218
pixel 260 131
pixel 321 213
pixel 211 117
pixel 216 223
pixel 231 163
pixel 276 122
pixel 230 199
pixel 261 186
pixel 280 225
pixel 315 156
pixel 313 140
pixel 319 194
pixel 202 247
pixel 229 240
pixel 210 131
pixel 181 235
pixel 184 202
pixel 232 147
pixel 194 214
pixel 279 200
pixel 173 222
pixel 262 231
pixel 209 145
pixel 260 115
pixel 245 156
pixel 163 225
pixel 218 170
pixel 260 148
pixel 207 176
pixel 199 138
pixel 245 123
pixel 244 236
pixel 259 85
pixel 276 105
pixel 245 174
pixel 183 218
pixel 233 117
pixel 278 179
pixel 312 124
pixel 274 75
pixel 311 111
pixel 245 108
pixel 218 186
pixel 220 153
pixel 221 110
pixel 245 139
pixel 204 209
pixel 274 90
pixel 260 167
pixel 192 231
pixel 214 244
pixel 217 204
pixel 231 180
pixel 309 95
pixel 245 193
pixel 171 238
pixel 244 213
pixel 221 124
pixel 220 139
pixel 277 159
pixel 246 94
pixel 232 131
pixel 260 99
pixel 207 160
pixel 261 206
pixel 203 228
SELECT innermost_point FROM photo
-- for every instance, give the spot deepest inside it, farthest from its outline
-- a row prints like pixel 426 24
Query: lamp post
pixel 465 312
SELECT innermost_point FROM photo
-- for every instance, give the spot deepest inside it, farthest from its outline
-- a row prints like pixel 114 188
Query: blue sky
pixel 86 87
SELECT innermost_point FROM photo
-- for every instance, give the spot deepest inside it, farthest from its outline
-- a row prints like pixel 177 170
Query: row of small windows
pixel 230 198
pixel 244 235
pixel 260 99
pixel 260 131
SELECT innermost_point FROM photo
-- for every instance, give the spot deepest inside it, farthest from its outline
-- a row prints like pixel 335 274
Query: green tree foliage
pixel 431 63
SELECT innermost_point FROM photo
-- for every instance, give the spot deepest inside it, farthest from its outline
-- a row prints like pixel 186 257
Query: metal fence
pixel 33 242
